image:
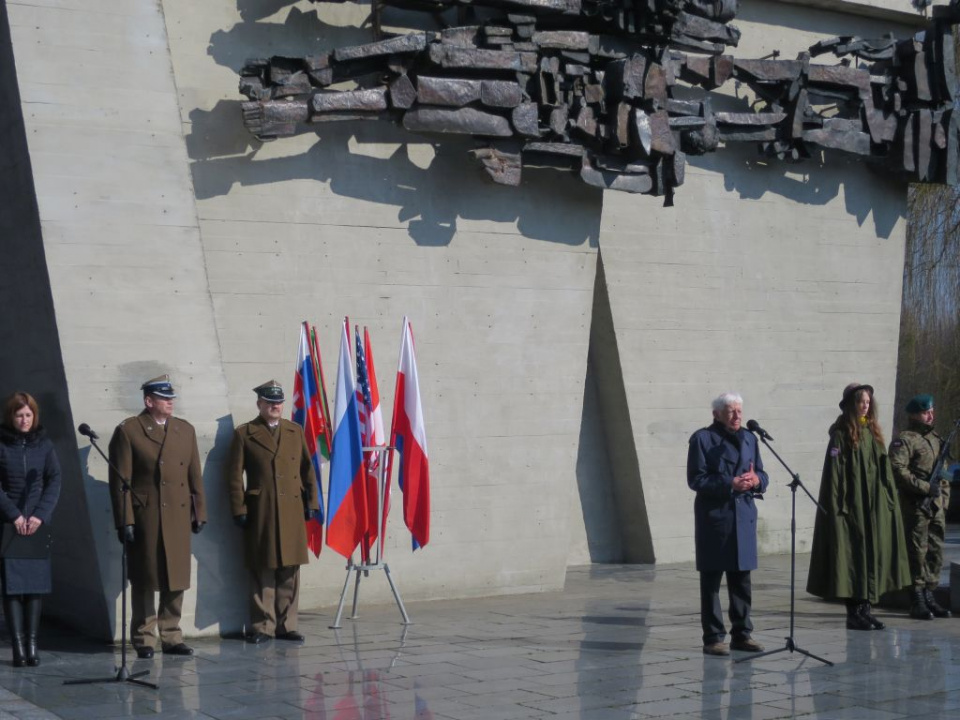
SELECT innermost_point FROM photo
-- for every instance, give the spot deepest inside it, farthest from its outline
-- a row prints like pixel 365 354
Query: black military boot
pixel 866 612
pixel 13 613
pixel 919 609
pixel 937 609
pixel 32 605
pixel 856 621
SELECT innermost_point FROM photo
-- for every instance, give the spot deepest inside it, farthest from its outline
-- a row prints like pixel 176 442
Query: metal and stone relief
pixel 621 91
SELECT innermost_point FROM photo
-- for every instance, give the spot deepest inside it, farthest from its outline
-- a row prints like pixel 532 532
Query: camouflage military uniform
pixel 913 455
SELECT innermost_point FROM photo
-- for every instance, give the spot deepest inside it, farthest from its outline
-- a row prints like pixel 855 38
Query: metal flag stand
pixel 363 569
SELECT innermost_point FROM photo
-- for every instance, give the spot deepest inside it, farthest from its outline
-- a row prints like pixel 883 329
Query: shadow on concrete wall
pixel 218 564
pixel 432 217
pixel 817 181
pixel 608 467
pixel 31 357
pixel 548 206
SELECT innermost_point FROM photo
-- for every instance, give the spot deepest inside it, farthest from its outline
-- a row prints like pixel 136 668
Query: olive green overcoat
pixel 280 486
pixel 166 493
pixel 859 549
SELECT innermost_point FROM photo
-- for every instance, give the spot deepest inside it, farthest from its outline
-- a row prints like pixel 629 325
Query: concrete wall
pixel 556 416
pixel 372 223
pixel 176 243
pixel 780 282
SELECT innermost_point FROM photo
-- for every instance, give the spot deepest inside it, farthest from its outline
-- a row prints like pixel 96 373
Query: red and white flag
pixel 409 435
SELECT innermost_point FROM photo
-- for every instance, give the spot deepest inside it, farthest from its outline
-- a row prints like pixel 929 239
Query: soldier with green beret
pixel 922 500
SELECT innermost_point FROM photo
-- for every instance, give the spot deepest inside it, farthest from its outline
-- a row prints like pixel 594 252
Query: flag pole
pixel 365 568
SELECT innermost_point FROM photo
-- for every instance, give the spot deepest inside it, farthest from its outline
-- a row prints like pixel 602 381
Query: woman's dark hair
pixel 17 401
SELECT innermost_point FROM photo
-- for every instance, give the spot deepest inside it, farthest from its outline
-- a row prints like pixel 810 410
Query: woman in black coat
pixel 29 489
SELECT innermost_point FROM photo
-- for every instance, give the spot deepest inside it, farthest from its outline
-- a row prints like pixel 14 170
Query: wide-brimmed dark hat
pixel 271 391
pixel 159 386
pixel 851 390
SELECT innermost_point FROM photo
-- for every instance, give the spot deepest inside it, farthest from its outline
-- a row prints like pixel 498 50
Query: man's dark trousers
pixel 711 614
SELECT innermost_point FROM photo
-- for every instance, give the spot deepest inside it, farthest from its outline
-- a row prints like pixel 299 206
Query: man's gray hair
pixel 728 398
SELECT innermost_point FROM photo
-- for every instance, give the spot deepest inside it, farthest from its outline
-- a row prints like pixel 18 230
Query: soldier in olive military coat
pixel 922 499
pixel 279 495
pixel 158 454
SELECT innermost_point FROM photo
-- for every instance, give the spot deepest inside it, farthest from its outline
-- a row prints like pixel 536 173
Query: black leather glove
pixel 240 520
pixel 197 527
pixel 126 534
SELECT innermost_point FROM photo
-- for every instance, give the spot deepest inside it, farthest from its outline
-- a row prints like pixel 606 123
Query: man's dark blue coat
pixel 726 521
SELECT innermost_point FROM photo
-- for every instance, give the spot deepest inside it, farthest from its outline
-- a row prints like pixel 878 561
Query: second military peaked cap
pixel 919 404
pixel 159 386
pixel 271 391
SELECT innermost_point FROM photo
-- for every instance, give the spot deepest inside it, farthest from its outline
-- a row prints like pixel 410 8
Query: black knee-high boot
pixel 13 612
pixel 32 604
pixel 856 621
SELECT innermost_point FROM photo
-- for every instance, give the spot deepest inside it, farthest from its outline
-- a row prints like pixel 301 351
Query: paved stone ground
pixel 619 642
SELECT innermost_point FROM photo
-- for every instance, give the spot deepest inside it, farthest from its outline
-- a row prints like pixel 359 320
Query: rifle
pixel 927 505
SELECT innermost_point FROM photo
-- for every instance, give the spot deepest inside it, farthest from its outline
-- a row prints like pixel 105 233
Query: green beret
pixel 919 404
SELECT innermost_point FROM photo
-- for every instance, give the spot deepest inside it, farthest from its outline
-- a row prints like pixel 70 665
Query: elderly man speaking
pixel 725 470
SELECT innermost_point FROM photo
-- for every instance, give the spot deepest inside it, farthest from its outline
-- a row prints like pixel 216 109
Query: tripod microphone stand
pixel 123 673
pixel 791 645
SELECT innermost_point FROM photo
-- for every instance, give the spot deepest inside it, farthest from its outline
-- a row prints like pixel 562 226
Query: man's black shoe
pixel 257 638
pixel 291 635
pixel 144 652
pixel 178 649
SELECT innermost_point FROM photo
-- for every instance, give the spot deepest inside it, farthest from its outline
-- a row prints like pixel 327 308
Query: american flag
pixel 365 405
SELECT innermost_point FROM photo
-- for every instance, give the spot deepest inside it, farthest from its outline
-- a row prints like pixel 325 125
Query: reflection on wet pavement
pixel 620 642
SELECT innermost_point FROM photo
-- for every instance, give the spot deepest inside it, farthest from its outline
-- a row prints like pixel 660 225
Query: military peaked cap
pixel 159 386
pixel 271 391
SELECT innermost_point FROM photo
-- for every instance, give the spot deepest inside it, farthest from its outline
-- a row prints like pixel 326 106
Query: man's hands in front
pixel 746 482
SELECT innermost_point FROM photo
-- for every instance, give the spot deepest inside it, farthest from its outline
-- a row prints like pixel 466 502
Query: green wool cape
pixel 859 548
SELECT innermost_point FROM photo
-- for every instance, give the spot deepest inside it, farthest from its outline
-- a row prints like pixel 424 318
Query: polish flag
pixel 409 436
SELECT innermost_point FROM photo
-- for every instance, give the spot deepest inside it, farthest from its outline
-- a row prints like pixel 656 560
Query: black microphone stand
pixel 791 645
pixel 123 673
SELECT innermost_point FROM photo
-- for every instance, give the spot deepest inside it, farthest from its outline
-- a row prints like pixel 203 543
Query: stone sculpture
pixel 621 91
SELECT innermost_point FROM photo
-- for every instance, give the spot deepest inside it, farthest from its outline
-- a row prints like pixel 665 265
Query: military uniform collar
pixel 919 427
pixel 152 429
pixel 260 433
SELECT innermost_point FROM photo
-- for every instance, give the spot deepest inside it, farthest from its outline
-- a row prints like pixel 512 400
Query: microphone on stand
pixel 86 430
pixel 754 427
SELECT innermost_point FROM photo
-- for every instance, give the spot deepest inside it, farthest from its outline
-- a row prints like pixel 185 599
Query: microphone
pixel 84 429
pixel 754 427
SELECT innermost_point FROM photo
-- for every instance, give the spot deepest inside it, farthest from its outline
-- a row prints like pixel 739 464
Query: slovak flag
pixel 308 414
pixel 346 493
pixel 409 436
